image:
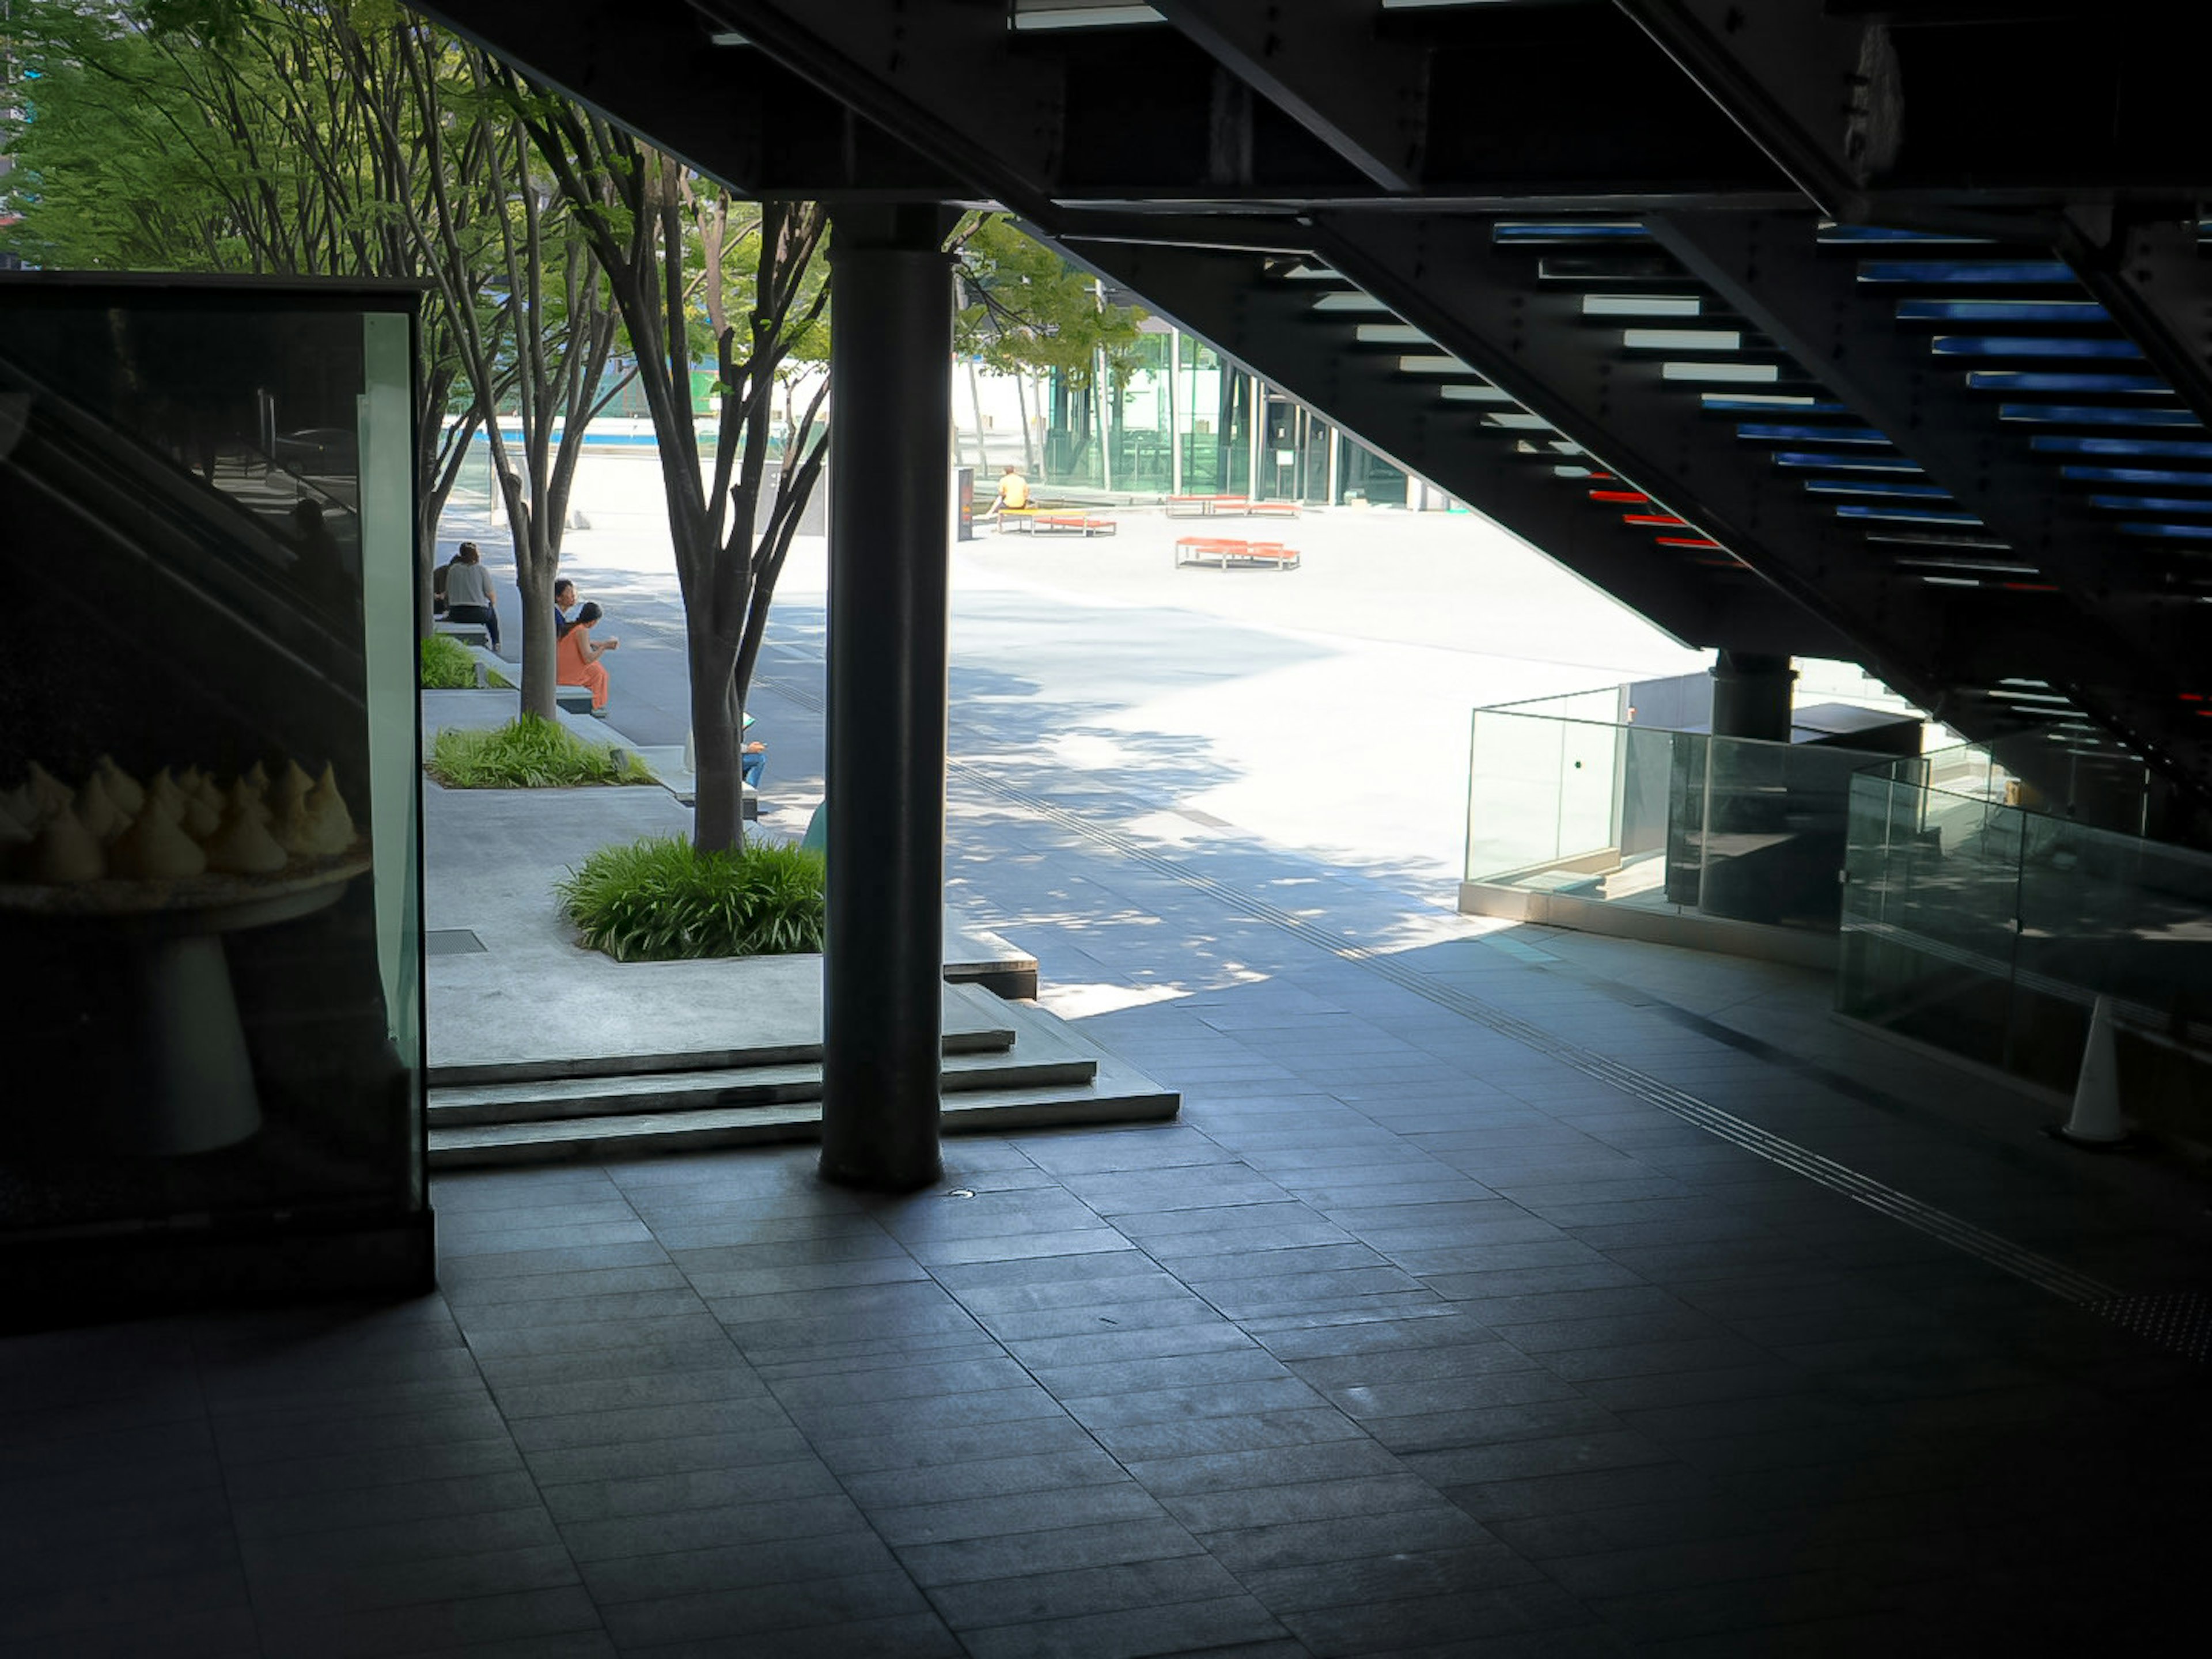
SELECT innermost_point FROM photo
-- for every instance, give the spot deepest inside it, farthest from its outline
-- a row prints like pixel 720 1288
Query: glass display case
pixel 209 796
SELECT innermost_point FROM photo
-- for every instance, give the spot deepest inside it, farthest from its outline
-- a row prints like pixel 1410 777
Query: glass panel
pixel 1928 920
pixel 210 777
pixel 1775 815
pixel 1513 794
pixel 1368 477
pixel 1563 803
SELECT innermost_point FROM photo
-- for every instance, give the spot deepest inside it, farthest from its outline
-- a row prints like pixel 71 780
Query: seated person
pixel 564 601
pixel 438 588
pixel 1013 493
pixel 469 596
pixel 752 759
pixel 576 657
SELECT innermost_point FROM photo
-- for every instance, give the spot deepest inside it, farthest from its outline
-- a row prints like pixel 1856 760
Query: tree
pixel 217 136
pixel 342 137
pixel 683 260
pixel 485 219
pixel 1027 311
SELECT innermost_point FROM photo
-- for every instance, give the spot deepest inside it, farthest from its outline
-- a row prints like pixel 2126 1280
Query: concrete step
pixel 983 1103
pixel 554 1099
pixel 647 1134
pixel 679 1016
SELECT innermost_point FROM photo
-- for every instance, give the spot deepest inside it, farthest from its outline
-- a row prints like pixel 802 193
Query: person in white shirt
pixel 469 595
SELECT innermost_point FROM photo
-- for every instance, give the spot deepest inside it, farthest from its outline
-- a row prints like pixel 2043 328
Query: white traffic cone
pixel 2096 1118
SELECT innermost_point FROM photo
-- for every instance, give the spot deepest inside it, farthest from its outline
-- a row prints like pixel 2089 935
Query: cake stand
pixel 167 1041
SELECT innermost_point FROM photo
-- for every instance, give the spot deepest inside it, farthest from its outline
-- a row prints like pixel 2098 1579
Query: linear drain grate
pixel 450 942
pixel 2180 1322
pixel 1997 1251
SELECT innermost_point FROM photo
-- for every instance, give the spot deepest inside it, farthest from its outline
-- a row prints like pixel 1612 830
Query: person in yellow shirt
pixel 1013 493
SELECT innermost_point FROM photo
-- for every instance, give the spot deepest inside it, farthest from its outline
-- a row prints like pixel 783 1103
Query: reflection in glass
pixel 207 762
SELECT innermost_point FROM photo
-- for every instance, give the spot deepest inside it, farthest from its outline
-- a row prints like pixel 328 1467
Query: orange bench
pixel 1227 552
pixel 1072 523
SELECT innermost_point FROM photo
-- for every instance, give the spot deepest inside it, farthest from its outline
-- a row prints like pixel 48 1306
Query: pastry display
pixel 100 814
pixel 122 789
pixel 175 837
pixel 50 792
pixel 329 826
pixel 64 852
pixel 155 847
pixel 241 845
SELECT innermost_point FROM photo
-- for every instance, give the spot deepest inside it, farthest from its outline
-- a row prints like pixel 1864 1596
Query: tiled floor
pixel 1414 1337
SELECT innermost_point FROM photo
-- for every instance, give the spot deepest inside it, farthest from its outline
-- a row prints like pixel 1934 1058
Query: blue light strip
pixel 1571 231
pixel 2140 475
pixel 1835 233
pixel 1846 486
pixel 2190 533
pixel 1827 461
pixel 2006 380
pixel 2002 272
pixel 2150 504
pixel 1907 515
pixel 2089 414
pixel 2146 446
pixel 2001 311
pixel 2028 346
pixel 1759 432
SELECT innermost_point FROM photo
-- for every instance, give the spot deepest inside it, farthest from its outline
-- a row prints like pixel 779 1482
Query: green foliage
pixel 1030 310
pixel 527 753
pixel 658 900
pixel 447 664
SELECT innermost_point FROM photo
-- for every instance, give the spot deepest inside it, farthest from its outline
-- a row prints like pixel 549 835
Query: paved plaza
pixel 1501 1291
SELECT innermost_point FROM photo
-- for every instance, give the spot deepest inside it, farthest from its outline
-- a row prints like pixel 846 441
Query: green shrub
pixel 657 900
pixel 447 664
pixel 527 753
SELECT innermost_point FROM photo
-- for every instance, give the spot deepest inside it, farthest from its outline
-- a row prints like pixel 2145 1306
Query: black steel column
pixel 1750 695
pixel 883 973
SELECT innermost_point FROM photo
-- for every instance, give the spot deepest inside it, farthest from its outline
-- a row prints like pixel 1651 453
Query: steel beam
pixel 1269 330
pixel 940 76
pixel 1363 94
pixel 734 114
pixel 1819 94
pixel 1487 306
pixel 2147 273
pixel 2124 630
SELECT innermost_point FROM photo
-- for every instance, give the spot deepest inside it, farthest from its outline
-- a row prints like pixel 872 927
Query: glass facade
pixel 209 790
pixel 1178 420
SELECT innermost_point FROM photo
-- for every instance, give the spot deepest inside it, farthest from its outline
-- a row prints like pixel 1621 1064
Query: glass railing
pixel 1989 930
pixel 1565 799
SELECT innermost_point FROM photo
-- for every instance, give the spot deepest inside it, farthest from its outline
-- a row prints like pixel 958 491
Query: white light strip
pixel 1390 334
pixel 1681 339
pixel 1720 371
pixel 1081 16
pixel 1641 304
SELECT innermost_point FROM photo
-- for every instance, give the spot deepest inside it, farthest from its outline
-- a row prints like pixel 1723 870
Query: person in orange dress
pixel 576 657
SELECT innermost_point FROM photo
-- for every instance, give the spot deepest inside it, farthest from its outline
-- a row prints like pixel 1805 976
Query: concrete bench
pixel 576 699
pixel 467 633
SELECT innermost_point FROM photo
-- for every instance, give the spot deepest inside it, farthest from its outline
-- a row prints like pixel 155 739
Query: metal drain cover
pixel 450 942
